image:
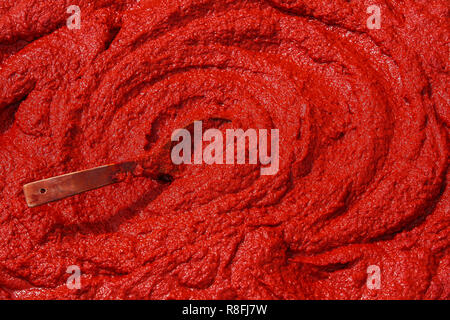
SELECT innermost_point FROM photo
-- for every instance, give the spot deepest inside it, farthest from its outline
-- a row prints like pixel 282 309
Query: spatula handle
pixel 60 187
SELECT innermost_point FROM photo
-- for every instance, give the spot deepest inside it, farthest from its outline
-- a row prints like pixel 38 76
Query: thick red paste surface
pixel 363 118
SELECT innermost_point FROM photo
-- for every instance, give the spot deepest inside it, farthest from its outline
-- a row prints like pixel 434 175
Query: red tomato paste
pixel 363 118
